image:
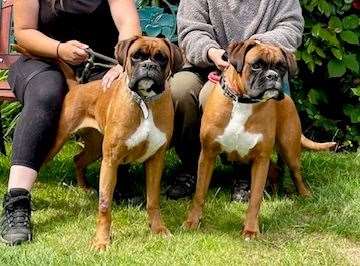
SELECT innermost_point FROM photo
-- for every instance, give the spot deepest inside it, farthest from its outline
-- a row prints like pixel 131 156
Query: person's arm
pixel 196 34
pixel 286 27
pixel 125 17
pixel 26 13
pixel 127 22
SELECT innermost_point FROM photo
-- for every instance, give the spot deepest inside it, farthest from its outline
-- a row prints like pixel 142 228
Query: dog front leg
pixel 154 168
pixel 205 171
pixel 259 172
pixel 106 190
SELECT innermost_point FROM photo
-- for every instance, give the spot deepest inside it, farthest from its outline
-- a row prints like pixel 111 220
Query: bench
pixel 6 57
pixel 154 22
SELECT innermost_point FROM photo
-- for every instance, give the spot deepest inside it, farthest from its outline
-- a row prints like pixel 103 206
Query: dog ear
pixel 176 57
pixel 237 52
pixel 291 62
pixel 122 48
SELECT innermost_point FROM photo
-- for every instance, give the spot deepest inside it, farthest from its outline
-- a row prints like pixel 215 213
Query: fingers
pixel 221 64
pixel 80 54
pixel 110 76
pixel 79 44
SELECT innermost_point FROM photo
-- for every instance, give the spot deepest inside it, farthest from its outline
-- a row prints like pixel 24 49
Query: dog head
pixel 258 69
pixel 149 62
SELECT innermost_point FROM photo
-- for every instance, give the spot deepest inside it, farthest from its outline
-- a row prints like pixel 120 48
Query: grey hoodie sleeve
pixel 196 35
pixel 286 27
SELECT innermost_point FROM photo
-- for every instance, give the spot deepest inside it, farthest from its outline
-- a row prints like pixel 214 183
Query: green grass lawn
pixel 324 229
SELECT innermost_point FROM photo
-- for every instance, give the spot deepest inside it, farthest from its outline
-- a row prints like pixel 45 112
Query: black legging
pixel 40 87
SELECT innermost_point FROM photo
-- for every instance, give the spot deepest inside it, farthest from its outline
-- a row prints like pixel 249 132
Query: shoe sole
pixel 16 243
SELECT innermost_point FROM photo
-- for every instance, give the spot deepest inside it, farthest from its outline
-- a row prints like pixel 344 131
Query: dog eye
pixel 139 56
pixel 160 58
pixel 256 66
pixel 282 68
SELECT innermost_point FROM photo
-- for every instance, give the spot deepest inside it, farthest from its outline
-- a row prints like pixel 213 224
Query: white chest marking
pixel 235 138
pixel 147 131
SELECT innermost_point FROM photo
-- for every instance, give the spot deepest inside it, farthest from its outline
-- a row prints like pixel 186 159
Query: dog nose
pixel 149 66
pixel 271 75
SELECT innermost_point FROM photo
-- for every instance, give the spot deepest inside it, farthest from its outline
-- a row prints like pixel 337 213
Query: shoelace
pixel 16 216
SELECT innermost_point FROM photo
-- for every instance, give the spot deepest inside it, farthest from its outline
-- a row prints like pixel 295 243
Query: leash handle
pixel 101 56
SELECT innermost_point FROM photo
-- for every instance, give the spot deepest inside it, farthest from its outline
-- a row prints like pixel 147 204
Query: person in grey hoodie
pixel 205 29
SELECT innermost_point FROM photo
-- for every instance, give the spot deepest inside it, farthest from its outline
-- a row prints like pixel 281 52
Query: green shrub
pixel 327 91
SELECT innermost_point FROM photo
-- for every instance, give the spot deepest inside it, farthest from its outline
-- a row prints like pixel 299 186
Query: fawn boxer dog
pixel 133 122
pixel 245 115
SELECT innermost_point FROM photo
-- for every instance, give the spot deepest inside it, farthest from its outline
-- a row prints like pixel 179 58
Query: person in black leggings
pixel 53 29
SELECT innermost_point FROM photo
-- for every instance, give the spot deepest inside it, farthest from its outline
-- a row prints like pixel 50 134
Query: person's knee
pixel 185 86
pixel 46 90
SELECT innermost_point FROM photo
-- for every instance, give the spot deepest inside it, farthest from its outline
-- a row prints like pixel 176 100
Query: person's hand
pixel 73 52
pixel 111 75
pixel 215 55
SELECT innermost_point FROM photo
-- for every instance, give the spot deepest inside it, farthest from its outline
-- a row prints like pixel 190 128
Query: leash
pixel 91 64
pixel 143 102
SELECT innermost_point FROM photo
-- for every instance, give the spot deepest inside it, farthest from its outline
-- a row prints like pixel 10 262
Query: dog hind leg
pixel 90 153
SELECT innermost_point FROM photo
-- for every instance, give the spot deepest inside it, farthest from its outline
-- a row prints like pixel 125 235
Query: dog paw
pixel 249 235
pixel 161 230
pixel 100 245
pixel 305 193
pixel 191 224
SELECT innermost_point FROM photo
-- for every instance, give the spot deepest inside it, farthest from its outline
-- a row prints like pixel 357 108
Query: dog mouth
pixel 146 87
pixel 271 93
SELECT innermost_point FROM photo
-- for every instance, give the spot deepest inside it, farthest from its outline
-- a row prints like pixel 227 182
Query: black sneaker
pixel 183 186
pixel 15 227
pixel 240 192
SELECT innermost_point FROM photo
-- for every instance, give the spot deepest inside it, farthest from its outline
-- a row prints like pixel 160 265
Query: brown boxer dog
pixel 131 122
pixel 245 116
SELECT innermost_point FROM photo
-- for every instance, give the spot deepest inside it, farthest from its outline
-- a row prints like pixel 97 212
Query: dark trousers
pixel 40 86
pixel 189 93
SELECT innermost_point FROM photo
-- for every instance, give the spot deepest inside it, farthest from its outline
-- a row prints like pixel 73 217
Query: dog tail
pixel 316 146
pixel 68 73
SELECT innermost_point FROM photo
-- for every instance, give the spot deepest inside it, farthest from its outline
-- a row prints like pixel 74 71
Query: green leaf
pixel 314 96
pixel 320 52
pixel 324 7
pixel 336 68
pixel 306 57
pixel 311 47
pixel 349 37
pixel 335 24
pixel 353 112
pixel 311 66
pixel 351 62
pixel 351 22
pixel 356 91
pixel 315 30
pixel 329 37
pixel 337 53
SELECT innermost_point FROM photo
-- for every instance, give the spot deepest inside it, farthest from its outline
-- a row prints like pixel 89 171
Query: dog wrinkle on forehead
pixel 269 54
